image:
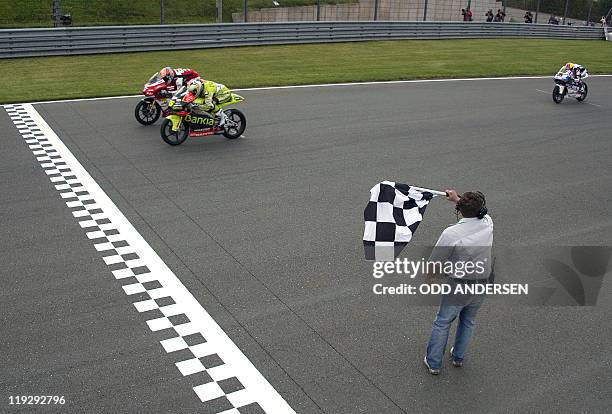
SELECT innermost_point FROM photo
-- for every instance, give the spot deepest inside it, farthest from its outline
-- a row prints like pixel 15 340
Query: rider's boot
pixel 220 115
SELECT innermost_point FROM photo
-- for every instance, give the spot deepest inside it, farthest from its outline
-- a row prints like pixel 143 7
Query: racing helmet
pixel 195 87
pixel 569 66
pixel 167 74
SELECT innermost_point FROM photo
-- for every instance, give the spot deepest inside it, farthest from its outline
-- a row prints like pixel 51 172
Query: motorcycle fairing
pixel 175 120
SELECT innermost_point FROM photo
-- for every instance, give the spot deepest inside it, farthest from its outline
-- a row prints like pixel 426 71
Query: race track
pixel 265 232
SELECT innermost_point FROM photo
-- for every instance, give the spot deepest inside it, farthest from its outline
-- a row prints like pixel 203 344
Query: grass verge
pixel 39 79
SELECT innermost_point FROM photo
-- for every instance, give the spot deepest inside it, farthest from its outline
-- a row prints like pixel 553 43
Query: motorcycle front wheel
pixel 235 124
pixel 171 137
pixel 147 112
pixel 557 95
pixel 583 92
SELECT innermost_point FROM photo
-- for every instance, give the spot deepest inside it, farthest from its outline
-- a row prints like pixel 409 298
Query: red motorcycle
pixel 155 103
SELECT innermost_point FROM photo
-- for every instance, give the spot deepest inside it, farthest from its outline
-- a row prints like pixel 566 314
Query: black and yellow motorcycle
pixel 186 120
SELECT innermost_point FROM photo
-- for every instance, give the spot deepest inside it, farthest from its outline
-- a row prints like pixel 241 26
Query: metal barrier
pixel 114 39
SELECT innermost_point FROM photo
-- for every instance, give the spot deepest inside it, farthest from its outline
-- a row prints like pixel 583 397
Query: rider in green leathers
pixel 210 97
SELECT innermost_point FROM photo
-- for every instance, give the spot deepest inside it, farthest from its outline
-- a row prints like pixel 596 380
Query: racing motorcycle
pixel 155 103
pixel 565 85
pixel 187 120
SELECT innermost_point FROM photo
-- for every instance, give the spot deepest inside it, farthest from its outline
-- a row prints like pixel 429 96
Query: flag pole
pixel 435 192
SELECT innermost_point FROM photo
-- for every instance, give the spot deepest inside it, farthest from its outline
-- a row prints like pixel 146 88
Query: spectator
pixel 528 17
pixel 467 14
pixel 553 20
pixel 489 16
pixel 500 16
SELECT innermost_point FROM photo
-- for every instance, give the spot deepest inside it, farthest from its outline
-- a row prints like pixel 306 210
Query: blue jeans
pixel 466 307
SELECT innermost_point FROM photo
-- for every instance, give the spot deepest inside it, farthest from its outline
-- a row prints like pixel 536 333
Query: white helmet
pixel 195 87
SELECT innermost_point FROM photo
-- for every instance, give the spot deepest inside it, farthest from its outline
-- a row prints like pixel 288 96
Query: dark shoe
pixel 456 363
pixel 430 369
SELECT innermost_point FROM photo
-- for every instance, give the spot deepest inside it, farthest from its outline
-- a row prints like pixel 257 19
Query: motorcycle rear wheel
pixel 147 114
pixel 173 138
pixel 235 124
pixel 557 95
pixel 583 92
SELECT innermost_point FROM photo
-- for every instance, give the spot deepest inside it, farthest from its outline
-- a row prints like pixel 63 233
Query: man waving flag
pixel 391 217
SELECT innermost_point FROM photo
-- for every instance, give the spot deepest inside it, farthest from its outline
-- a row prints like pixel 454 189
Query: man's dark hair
pixel 470 204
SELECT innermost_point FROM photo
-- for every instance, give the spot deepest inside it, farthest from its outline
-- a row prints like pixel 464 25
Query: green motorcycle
pixel 186 120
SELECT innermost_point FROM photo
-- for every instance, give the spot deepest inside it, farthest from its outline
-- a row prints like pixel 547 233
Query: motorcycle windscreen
pixel 154 79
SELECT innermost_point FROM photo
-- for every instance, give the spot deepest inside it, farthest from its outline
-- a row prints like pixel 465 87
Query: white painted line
pixel 171 310
pixel 146 305
pixel 174 344
pixel 109 260
pixel 329 85
pixel 241 397
pixel 175 307
pixel 122 273
pixel 220 373
pixel 187 329
pixel 134 288
pixel 191 366
pixel 208 391
pixel 202 350
pixel 159 324
pixel 158 293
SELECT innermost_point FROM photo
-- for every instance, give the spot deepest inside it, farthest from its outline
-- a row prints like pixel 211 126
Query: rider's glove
pixel 191 106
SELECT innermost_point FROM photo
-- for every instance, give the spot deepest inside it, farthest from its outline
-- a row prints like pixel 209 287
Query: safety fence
pixel 78 13
pixel 113 39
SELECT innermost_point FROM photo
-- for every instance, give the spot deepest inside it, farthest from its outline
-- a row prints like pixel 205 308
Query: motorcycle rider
pixel 176 78
pixel 209 96
pixel 576 72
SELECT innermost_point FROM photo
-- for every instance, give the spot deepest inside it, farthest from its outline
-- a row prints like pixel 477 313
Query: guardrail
pixel 114 39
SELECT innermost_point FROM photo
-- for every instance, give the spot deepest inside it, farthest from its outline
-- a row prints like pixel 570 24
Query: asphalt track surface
pixel 265 231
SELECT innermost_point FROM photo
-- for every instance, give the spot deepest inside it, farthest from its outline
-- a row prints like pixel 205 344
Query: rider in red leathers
pixel 177 78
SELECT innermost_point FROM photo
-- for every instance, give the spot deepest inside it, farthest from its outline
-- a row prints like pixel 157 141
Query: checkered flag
pixel 391 217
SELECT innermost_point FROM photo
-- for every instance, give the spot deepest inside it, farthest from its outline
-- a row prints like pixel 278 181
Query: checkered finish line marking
pixel 232 384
